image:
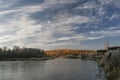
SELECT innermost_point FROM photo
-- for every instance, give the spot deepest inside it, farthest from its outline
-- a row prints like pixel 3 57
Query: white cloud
pixel 114 16
pixel 8 12
pixel 113 28
pixel 116 3
pixel 60 1
pixel 94 38
pixel 46 36
pixel 88 5
pixel 68 20
pixel 103 2
pixel 22 27
pixel 105 33
pixel 32 8
pixel 101 11
pixel 57 33
pixel 6 3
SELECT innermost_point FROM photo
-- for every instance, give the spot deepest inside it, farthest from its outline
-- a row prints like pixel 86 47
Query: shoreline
pixel 26 59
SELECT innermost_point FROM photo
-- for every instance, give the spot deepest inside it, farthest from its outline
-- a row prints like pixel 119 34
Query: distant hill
pixel 63 52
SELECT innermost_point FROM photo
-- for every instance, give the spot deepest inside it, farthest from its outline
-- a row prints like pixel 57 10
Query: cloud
pixel 88 5
pixel 114 2
pixel 117 2
pixel 6 3
pixel 103 2
pixel 8 12
pixel 110 32
pixel 64 20
pixel 68 23
pixel 114 16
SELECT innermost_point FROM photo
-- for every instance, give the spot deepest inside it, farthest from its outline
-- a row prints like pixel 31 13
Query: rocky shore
pixel 111 66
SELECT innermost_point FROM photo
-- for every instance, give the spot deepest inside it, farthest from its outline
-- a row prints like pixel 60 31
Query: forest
pixel 17 52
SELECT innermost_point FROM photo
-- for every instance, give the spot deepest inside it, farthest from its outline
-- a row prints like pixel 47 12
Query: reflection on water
pixel 57 69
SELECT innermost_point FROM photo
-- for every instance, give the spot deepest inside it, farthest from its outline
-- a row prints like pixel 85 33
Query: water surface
pixel 56 69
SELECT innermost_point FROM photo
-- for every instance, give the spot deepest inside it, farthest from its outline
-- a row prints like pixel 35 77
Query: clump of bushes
pixel 112 67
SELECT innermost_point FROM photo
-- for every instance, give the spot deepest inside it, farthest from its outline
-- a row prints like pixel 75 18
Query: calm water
pixel 57 69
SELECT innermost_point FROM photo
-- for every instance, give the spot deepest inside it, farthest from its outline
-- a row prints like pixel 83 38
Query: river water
pixel 56 69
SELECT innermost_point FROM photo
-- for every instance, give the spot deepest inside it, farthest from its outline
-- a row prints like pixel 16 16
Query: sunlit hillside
pixel 59 52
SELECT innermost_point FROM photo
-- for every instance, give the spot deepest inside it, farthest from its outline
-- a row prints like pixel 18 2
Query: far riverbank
pixel 26 59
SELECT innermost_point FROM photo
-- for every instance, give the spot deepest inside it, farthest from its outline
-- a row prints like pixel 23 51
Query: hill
pixel 64 52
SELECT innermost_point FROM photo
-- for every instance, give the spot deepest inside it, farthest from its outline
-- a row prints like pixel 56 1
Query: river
pixel 56 69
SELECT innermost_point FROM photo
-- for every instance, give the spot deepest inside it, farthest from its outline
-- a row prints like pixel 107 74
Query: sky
pixel 59 24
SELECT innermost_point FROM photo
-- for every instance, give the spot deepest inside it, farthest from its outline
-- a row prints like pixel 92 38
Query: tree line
pixel 18 52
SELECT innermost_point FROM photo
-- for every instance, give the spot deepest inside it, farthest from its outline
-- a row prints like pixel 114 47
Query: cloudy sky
pixel 55 24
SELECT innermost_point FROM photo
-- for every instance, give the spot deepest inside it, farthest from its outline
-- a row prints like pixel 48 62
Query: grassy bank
pixel 111 66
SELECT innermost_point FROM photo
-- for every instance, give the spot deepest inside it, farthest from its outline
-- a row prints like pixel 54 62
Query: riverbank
pixel 111 67
pixel 26 59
